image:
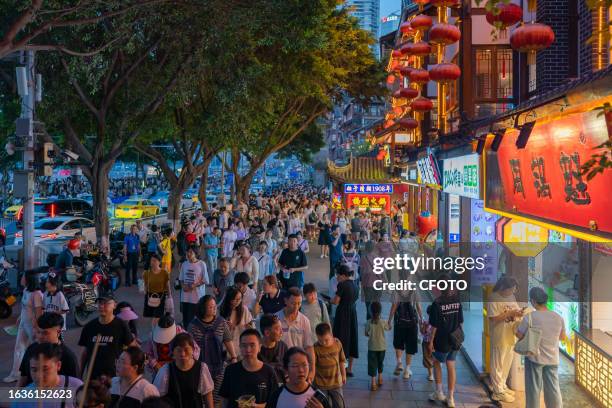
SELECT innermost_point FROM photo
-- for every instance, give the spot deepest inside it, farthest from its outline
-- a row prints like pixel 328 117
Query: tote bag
pixel 529 345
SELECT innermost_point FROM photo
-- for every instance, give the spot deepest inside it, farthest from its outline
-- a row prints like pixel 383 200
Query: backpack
pixel 152 244
pixel 405 315
pixel 312 217
pixel 211 348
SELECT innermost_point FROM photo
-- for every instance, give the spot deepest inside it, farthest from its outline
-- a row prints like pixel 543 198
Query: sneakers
pixel 398 369
pixel 430 377
pixel 10 379
pixel 437 396
pixel 322 256
pixel 450 402
pixel 502 397
pixel 407 374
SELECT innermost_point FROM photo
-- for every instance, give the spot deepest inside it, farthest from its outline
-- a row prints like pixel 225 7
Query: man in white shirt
pixel 193 278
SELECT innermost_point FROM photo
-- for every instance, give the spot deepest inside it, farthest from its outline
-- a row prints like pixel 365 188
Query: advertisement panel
pixel 428 170
pixel 482 239
pixel 461 176
pixel 375 202
pixel 368 188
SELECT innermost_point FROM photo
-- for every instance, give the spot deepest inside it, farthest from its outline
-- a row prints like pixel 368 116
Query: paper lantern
pixel 408 123
pixel 396 54
pixel 405 71
pixel 445 3
pixel 418 49
pixel 421 104
pixel 509 15
pixel 444 34
pixel 445 72
pixel 408 93
pixel 419 76
pixel 420 3
pixel 426 223
pixel 421 22
pixel 398 110
pixel 406 28
pixel 389 123
pixel 531 38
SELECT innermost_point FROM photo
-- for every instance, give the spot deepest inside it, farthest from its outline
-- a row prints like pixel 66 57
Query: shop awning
pixel 359 170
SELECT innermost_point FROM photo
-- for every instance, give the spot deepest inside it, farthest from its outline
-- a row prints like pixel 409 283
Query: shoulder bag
pixel 529 345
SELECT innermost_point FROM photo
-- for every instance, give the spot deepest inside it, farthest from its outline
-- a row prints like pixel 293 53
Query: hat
pixel 74 244
pixel 105 297
pixel 126 313
pixel 165 330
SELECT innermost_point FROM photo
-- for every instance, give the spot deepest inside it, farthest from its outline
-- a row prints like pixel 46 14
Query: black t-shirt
pixel 446 315
pixel 237 381
pixel 70 364
pixel 291 259
pixel 114 337
pixel 271 305
pixel 274 357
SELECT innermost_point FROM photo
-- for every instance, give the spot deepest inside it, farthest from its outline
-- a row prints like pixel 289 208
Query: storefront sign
pixel 482 242
pixel 368 188
pixel 375 202
pixel 544 179
pixel 461 176
pixel 428 170
pixel 521 238
pixel 403 138
pixel 336 201
pixel 454 215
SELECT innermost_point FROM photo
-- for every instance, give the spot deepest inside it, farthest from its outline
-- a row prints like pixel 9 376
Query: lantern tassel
pixel 531 58
pixel 532 5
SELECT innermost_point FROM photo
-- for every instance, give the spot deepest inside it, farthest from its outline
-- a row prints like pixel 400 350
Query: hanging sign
pixel 544 179
pixel 428 170
pixel 522 238
pixel 461 176
pixel 368 188
pixel 375 202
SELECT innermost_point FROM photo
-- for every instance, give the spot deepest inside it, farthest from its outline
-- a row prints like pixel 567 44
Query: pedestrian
pixel 244 261
pixel 330 365
pixel 345 320
pixel 228 239
pixel 131 256
pixel 264 260
pixel 367 278
pixel 426 330
pixel 302 242
pixel 249 297
pixel 296 327
pixel 31 308
pixel 129 388
pixel 126 312
pixel 324 236
pixel 157 347
pixel 336 250
pixel 236 313
pixel 314 308
pixel 406 315
pixel 211 247
pixel 356 226
pixel 297 391
pixel 446 318
pixel 193 278
pixel 542 368
pixel 273 348
pixel 112 334
pixel 157 290
pixel 45 363
pixel 153 245
pixel 271 299
pixel 50 326
pixel 165 247
pixel 54 299
pixel 377 346
pixel 185 382
pixel 504 314
pixel 213 335
pixel 223 278
pixel 292 263
pixel 249 380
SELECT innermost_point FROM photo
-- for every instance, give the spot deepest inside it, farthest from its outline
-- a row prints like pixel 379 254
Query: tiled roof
pixel 359 170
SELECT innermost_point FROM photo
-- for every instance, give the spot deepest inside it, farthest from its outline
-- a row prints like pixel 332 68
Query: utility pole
pixel 222 181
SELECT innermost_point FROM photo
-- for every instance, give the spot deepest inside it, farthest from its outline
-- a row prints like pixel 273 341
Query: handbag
pixel 529 345
pixel 169 302
pixel 153 299
pixel 456 338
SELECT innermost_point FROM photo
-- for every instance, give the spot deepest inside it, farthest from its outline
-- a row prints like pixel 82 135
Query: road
pixel 395 391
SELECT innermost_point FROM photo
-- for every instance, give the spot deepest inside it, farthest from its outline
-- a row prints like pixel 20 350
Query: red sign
pixel 543 179
pixel 375 202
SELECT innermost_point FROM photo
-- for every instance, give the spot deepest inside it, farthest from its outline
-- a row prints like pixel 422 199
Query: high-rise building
pixel 389 23
pixel 368 13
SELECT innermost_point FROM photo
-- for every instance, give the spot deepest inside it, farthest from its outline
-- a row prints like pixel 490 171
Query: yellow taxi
pixel 136 208
pixel 12 211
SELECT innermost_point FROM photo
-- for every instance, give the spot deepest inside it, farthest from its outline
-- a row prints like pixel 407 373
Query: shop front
pixel 424 201
pixel 555 229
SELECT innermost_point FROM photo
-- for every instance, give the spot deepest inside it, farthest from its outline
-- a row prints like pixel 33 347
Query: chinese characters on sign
pixel 542 187
pixel 570 166
pixel 428 170
pixel 375 202
pixel 368 188
pixel 461 176
pixel 515 166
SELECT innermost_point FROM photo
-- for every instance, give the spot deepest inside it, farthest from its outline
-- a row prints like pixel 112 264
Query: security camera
pixel 70 155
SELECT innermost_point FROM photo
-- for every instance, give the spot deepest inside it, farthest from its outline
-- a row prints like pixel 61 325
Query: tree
pixel 305 146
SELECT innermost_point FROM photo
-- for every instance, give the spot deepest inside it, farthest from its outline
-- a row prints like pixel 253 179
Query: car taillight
pixel 52 210
pixel 52 235
pixel 18 235
pixel 20 213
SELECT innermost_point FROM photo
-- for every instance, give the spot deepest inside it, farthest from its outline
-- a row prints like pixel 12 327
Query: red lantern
pixel 398 110
pixel 418 49
pixel 405 71
pixel 421 104
pixel 421 22
pixel 444 34
pixel 445 3
pixel 445 72
pixel 419 76
pixel 408 123
pixel 390 79
pixel 408 93
pixel 406 28
pixel 426 223
pixel 531 38
pixel 380 155
pixel 396 54
pixel 395 66
pixel 389 123
pixel 397 94
pixel 421 3
pixel 509 15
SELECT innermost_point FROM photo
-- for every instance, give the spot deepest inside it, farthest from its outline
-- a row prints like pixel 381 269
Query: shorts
pixel 427 357
pixel 444 357
pixel 406 338
pixel 375 362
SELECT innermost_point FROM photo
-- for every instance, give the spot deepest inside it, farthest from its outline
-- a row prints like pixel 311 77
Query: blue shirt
pixel 64 259
pixel 211 239
pixel 131 243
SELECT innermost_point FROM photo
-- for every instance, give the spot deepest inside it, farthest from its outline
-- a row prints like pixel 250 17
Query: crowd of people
pixel 254 330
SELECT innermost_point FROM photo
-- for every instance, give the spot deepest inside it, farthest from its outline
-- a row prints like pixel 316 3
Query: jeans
pixel 189 311
pixel 335 397
pixel 211 264
pixel 131 265
pixel 538 376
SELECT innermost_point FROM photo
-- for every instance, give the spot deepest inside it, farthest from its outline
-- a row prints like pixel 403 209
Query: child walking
pixel 330 372
pixel 427 355
pixel 375 331
pixel 54 300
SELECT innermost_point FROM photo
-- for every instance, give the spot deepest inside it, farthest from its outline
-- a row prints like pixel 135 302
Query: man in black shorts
pixel 406 315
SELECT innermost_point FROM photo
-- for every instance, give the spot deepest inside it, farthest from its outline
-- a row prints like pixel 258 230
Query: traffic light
pixel 44 159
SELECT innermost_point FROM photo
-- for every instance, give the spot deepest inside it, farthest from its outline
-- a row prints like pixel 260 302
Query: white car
pixel 60 227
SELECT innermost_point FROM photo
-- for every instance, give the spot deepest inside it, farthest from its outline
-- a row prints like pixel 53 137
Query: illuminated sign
pixel 336 201
pixel 389 18
pixel 368 188
pixel 544 180
pixel 522 238
pixel 428 170
pixel 375 202
pixel 460 176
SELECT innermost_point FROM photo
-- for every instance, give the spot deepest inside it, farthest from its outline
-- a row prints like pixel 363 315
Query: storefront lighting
pixel 497 139
pixel 480 146
pixel 523 137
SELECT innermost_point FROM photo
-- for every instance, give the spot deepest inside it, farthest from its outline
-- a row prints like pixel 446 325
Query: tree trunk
pixel 99 189
pixel 174 204
pixel 202 189
pixel 243 185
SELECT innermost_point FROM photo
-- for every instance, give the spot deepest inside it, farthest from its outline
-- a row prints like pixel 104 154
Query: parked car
pixel 60 227
pixel 54 207
pixel 12 211
pixel 190 199
pixel 136 208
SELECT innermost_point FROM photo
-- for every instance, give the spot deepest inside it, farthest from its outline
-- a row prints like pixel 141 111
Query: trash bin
pixel 516 379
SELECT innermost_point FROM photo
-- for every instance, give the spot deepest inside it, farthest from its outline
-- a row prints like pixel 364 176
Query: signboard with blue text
pixel 368 188
pixel 461 176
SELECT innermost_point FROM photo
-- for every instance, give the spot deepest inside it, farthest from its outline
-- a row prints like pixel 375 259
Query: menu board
pixel 482 242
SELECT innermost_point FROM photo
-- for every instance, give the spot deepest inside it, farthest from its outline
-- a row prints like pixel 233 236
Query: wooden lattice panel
pixel 594 372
